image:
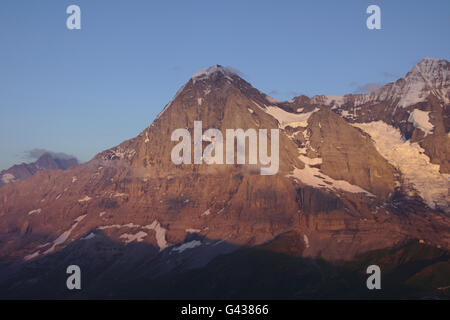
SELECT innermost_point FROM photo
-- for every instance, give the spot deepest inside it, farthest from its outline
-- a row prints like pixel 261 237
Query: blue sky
pixel 83 91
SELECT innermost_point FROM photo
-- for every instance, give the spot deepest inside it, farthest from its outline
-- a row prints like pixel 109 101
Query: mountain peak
pixel 428 76
pixel 431 60
pixel 212 70
pixel 430 68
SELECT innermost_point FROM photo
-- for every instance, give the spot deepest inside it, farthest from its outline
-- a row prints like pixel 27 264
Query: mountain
pixel 356 174
pixel 416 105
pixel 45 162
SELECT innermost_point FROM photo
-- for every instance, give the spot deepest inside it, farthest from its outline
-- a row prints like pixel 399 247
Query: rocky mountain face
pixel 45 162
pixel 357 174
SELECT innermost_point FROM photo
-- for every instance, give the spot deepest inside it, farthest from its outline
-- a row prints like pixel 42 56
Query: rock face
pixel 26 170
pixel 348 155
pixel 356 173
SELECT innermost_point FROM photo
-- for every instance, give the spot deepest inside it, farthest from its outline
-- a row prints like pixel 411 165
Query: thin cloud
pixel 284 94
pixel 36 153
pixel 294 93
pixel 274 92
pixel 178 70
pixel 236 71
pixel 367 88
pixel 388 75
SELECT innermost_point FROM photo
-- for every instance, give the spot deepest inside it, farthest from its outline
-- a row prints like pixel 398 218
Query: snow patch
pixel 207 212
pixel 315 178
pixel 155 226
pixel 188 245
pixel 256 104
pixel 8 177
pixel 138 237
pixel 43 245
pixel 218 242
pixel 118 194
pixel 65 235
pixel 206 72
pixel 86 198
pixel 306 240
pixel 345 113
pixel 420 119
pixel 89 236
pixel 35 211
pixel 118 226
pixel 160 234
pixel 193 230
pixel 289 119
pixel 31 256
pixel 310 161
pixel 335 100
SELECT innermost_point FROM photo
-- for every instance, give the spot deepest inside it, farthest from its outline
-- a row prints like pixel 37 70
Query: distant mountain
pixel 45 162
pixel 357 174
